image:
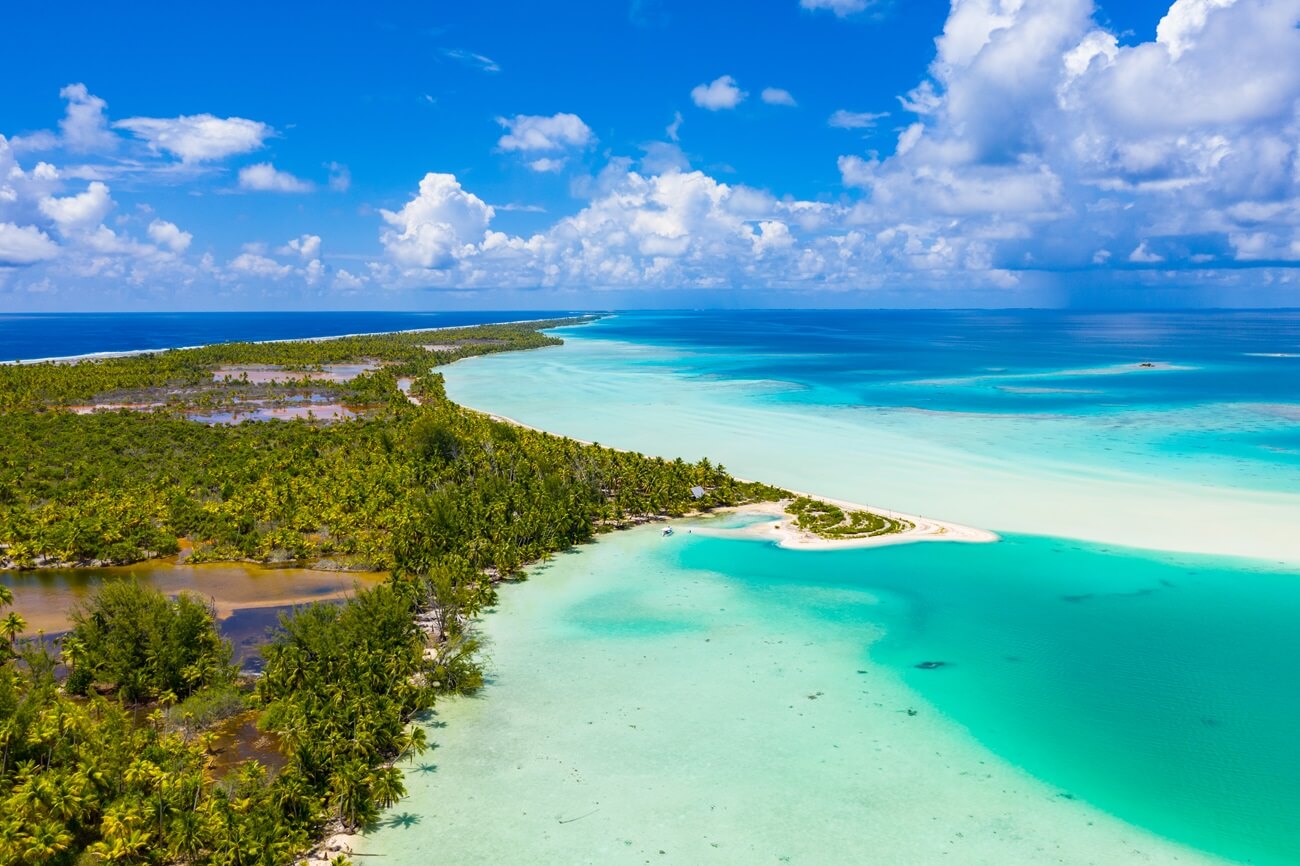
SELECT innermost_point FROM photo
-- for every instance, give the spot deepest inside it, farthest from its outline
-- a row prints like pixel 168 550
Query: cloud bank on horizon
pixel 1040 151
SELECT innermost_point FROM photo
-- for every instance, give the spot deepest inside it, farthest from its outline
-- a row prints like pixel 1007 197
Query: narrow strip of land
pixel 789 533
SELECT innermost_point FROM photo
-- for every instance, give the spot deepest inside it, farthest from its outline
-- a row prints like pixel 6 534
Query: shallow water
pixel 1160 687
pixel 728 701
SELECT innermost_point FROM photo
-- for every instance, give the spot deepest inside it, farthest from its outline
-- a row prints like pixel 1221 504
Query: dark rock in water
pixel 929 666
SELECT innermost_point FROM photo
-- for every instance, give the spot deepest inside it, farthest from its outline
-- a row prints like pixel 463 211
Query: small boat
pixel 668 530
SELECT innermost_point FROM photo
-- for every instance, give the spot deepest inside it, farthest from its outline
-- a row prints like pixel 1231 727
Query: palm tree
pixel 123 847
pixel 351 793
pixel 63 801
pixel 185 835
pixel 12 626
pixel 413 743
pixel 74 650
pixel 46 842
pixel 386 786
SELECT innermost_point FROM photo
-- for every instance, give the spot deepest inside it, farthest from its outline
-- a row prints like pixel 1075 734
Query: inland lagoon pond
pixel 248 598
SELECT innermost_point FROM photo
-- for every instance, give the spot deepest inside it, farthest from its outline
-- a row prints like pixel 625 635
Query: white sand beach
pixel 786 532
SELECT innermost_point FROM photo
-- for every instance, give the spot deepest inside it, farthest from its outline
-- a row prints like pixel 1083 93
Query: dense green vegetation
pixel 136 642
pixel 831 521
pixel 448 500
pixel 340 686
pixel 127 485
pixel 93 781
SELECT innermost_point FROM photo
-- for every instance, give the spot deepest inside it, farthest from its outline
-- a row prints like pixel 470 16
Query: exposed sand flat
pixel 1029 389
pixel 1112 370
pixel 786 533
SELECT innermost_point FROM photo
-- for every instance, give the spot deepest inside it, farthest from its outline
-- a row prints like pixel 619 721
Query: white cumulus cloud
pixel 255 265
pixel 1186 18
pixel 777 96
pixel 265 177
pixel 722 92
pixel 1144 256
pixel 167 234
pixel 81 211
pixel 84 127
pixel 200 137
pixel 305 247
pixel 440 224
pixel 346 281
pixel 526 132
pixel 25 245
pixel 1041 140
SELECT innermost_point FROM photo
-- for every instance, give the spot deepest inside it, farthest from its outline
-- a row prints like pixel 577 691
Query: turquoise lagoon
pixel 699 699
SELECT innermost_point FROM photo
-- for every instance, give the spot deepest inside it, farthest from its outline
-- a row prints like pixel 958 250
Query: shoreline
pixel 786 534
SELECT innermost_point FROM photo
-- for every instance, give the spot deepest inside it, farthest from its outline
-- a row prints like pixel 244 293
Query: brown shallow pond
pixel 248 598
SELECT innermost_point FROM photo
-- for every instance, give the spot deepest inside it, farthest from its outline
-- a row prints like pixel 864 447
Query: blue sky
pixel 652 153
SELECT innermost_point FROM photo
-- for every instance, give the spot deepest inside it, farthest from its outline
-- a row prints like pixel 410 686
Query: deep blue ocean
pixel 25 336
